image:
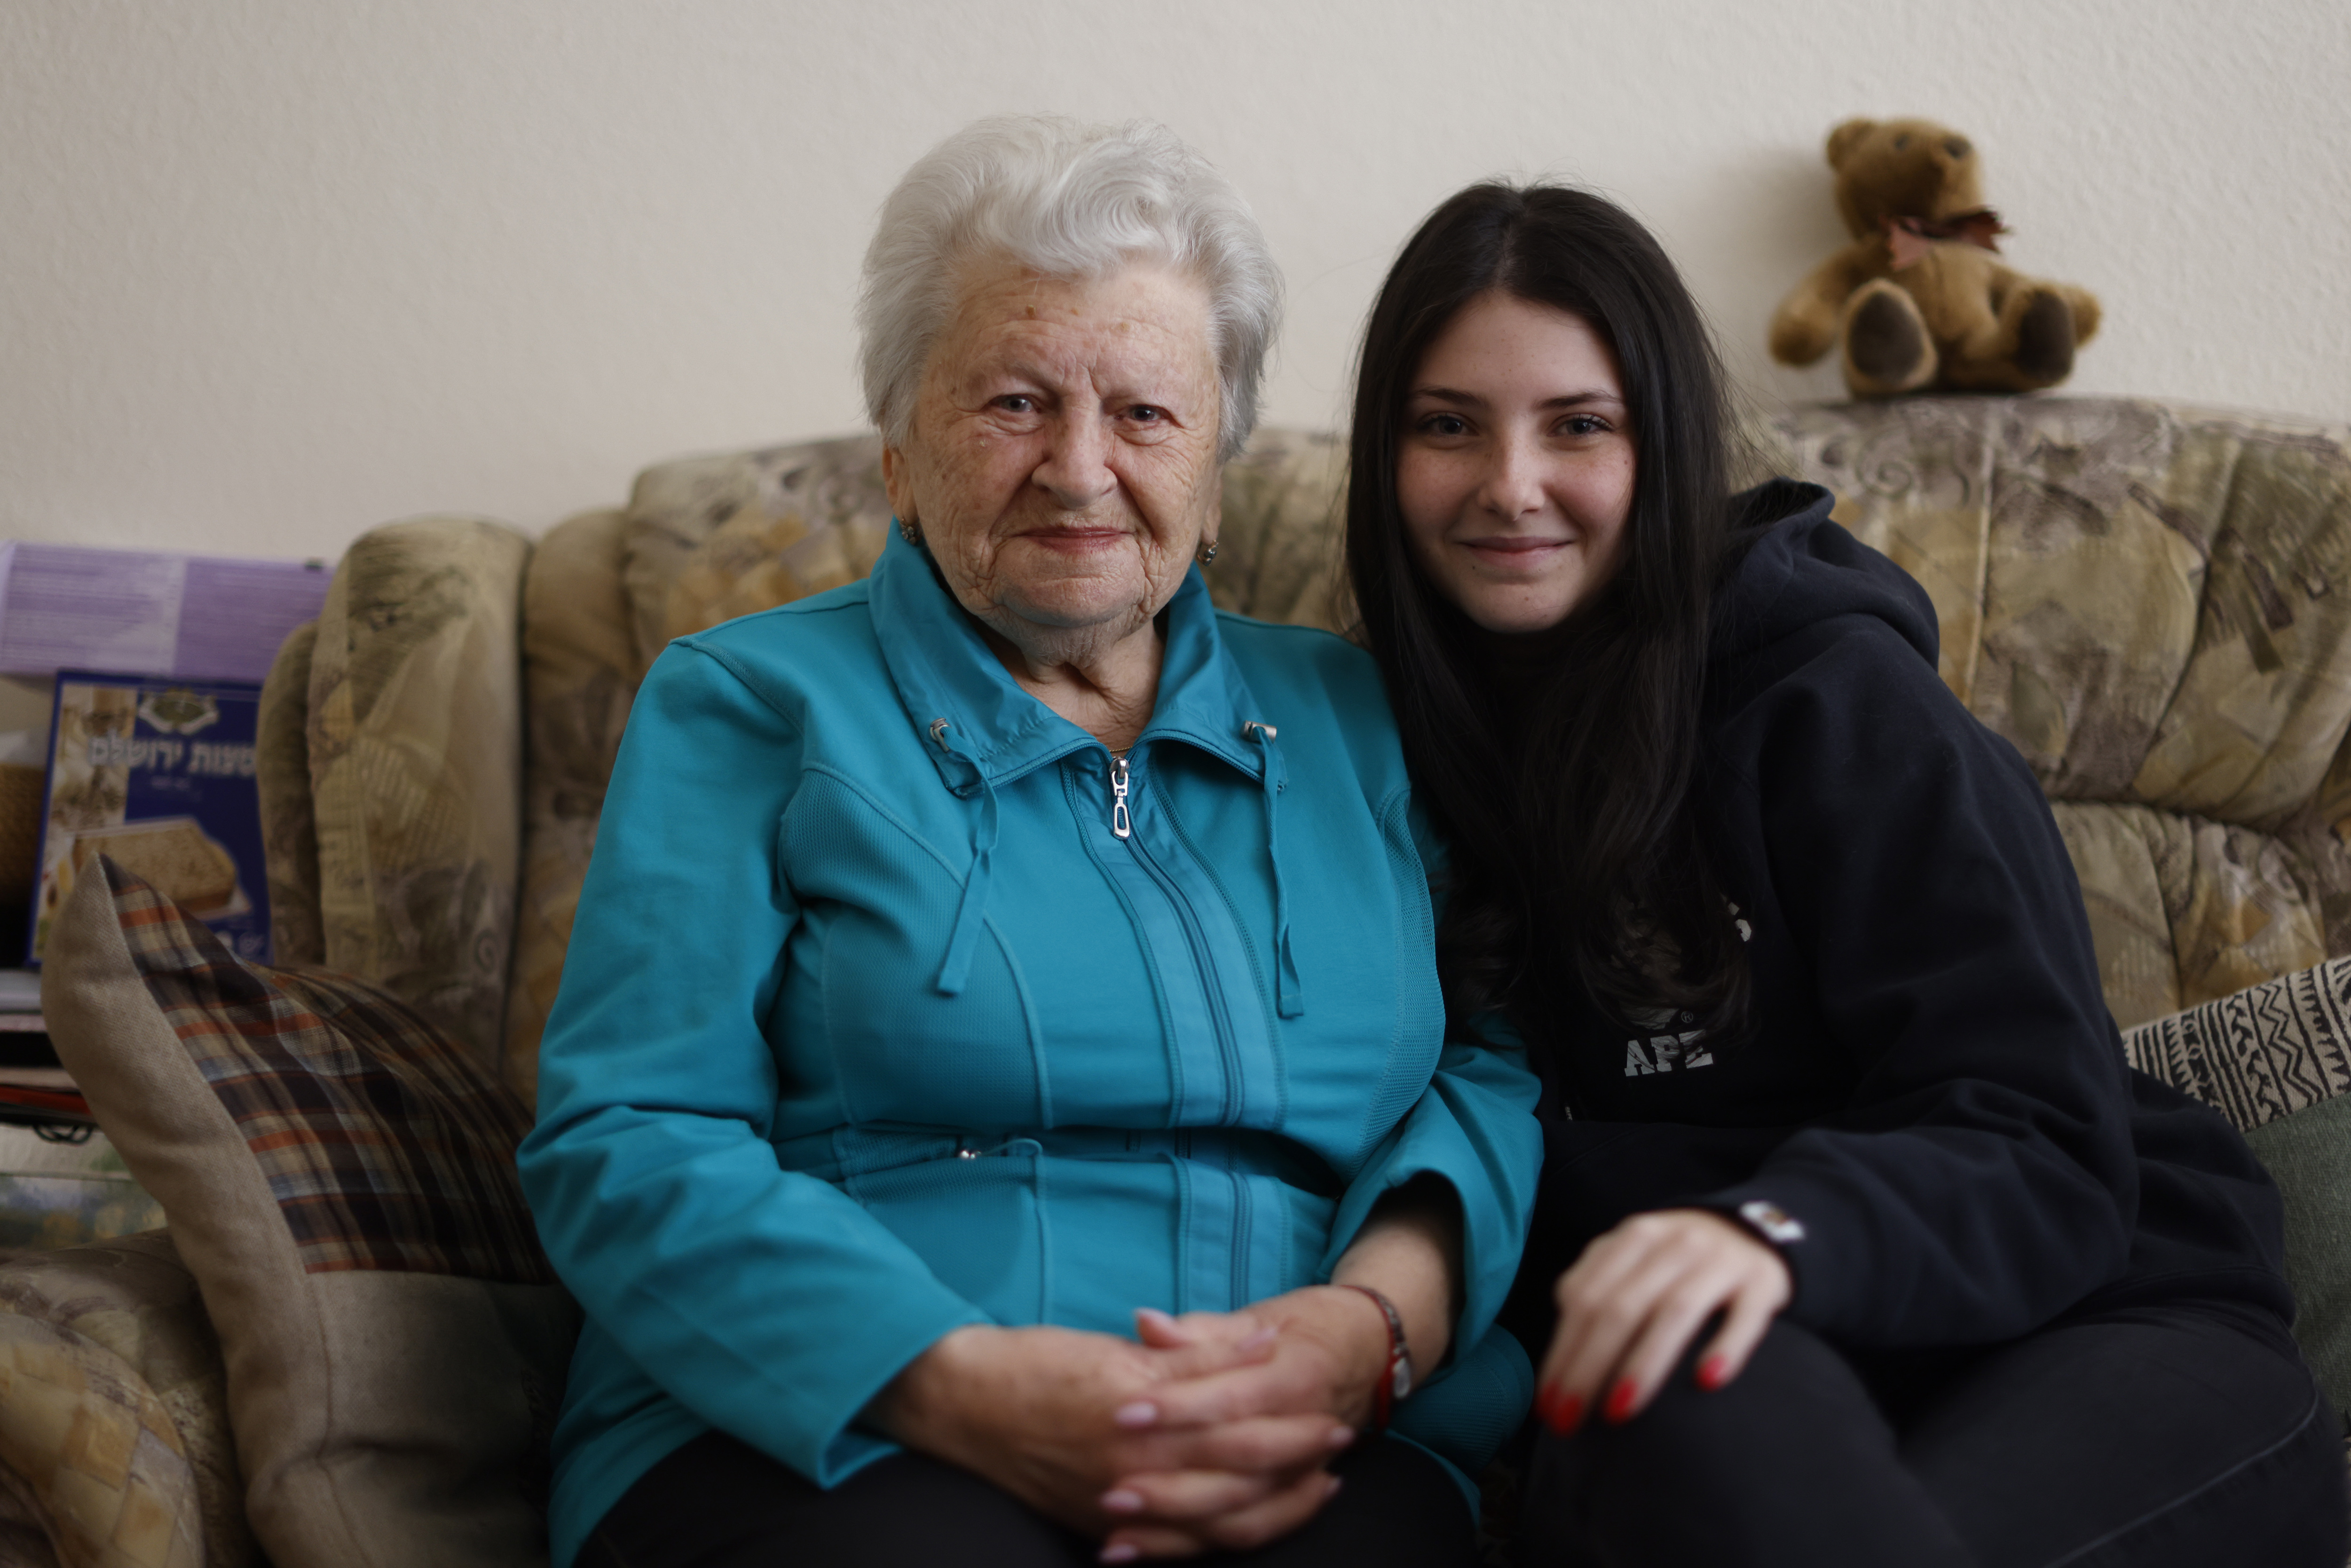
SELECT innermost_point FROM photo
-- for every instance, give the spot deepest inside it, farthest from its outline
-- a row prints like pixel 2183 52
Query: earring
pixel 910 530
pixel 1208 553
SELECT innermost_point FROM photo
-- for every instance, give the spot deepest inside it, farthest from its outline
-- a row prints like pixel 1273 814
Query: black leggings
pixel 719 1503
pixel 2185 1434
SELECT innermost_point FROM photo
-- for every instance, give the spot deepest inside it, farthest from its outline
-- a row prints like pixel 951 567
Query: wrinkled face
pixel 1062 462
pixel 1515 464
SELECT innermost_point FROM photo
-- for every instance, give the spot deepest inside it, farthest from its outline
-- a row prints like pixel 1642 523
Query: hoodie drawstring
pixel 956 968
pixel 1289 996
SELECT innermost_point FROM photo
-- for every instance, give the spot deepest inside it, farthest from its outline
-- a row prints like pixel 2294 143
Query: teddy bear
pixel 1920 298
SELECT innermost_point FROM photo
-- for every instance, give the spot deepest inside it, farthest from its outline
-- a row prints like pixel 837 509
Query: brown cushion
pixel 339 1178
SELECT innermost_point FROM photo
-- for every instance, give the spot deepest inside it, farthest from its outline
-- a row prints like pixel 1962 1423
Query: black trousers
pixel 2185 1434
pixel 719 1503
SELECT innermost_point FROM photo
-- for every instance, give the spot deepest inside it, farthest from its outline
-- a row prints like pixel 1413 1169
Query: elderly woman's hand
pixel 1056 1415
pixel 1237 1458
pixel 1223 1486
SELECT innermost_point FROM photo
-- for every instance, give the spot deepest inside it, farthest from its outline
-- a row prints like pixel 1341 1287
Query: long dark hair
pixel 1562 783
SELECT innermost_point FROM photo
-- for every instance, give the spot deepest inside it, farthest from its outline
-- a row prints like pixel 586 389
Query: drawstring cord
pixel 956 968
pixel 1289 996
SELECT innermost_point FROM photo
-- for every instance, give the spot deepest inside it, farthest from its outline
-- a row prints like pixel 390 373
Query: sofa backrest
pixel 2148 600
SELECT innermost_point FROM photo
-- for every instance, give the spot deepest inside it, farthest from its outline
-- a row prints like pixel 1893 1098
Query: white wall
pixel 273 271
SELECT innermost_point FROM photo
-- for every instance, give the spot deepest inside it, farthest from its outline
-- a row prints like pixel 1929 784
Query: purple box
pixel 65 607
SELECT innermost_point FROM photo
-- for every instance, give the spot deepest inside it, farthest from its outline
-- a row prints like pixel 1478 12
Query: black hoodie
pixel 1931 1088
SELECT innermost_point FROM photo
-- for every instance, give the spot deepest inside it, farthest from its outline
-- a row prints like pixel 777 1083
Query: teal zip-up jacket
pixel 884 1012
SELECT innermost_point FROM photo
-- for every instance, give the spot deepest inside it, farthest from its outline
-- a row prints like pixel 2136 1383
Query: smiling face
pixel 1515 464
pixel 1062 460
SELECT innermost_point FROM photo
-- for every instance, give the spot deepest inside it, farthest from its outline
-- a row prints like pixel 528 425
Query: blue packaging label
pixel 159 773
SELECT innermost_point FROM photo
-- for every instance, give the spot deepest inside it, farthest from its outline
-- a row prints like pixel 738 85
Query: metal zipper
pixel 1195 937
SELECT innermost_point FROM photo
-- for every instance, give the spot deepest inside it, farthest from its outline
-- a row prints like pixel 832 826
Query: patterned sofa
pixel 2150 601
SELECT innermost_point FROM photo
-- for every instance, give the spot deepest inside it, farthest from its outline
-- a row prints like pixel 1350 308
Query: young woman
pixel 1858 1242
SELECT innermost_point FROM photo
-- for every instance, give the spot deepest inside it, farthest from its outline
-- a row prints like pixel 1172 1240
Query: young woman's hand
pixel 1631 1304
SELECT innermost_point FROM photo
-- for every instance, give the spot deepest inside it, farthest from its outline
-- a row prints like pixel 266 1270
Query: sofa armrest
pixel 114 1434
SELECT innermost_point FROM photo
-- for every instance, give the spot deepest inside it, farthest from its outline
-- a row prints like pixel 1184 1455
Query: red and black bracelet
pixel 1397 1381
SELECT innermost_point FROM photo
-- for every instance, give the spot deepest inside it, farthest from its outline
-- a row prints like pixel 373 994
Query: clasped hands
pixel 1211 1432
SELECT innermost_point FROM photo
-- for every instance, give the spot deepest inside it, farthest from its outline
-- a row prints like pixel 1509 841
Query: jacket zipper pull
pixel 1120 823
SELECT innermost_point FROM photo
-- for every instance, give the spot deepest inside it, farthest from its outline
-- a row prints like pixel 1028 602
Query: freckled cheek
pixel 1430 491
pixel 1599 493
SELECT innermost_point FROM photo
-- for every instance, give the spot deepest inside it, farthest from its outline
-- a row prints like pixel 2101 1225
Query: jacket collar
pixel 978 724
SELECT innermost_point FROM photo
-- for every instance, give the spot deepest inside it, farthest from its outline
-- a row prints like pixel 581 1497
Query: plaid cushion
pixel 385 1145
pixel 340 1179
pixel 2264 1053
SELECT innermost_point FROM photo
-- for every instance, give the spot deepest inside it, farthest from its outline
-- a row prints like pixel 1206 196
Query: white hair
pixel 1067 201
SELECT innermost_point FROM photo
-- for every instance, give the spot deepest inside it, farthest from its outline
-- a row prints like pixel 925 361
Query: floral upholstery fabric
pixel 413 742
pixel 709 538
pixel 113 1421
pixel 1278 552
pixel 580 672
pixel 289 828
pixel 2147 598
pixel 2146 601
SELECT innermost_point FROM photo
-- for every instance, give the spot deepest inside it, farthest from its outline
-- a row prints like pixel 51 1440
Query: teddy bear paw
pixel 2044 339
pixel 1886 346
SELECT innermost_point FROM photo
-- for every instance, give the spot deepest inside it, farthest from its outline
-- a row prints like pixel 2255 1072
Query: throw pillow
pixel 2267 1052
pixel 2276 1059
pixel 339 1178
pixel 2310 1154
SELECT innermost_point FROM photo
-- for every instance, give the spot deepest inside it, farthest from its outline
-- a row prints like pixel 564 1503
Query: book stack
pixel 62 1184
pixel 35 1090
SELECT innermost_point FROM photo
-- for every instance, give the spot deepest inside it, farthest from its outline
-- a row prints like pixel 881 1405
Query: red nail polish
pixel 1620 1402
pixel 1563 1411
pixel 1713 1372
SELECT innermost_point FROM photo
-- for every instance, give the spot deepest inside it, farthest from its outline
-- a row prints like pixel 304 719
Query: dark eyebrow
pixel 1470 400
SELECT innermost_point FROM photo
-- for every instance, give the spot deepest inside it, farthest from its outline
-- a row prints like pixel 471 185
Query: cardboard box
pixel 68 607
pixel 158 773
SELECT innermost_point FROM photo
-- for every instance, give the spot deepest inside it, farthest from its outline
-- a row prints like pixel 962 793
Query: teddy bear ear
pixel 1843 138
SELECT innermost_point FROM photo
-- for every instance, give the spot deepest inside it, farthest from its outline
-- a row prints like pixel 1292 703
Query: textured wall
pixel 273 271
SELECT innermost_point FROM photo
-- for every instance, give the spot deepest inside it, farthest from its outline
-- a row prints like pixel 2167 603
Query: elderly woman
pixel 998 1108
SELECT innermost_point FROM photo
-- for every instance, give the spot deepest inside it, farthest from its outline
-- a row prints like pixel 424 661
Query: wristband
pixel 1395 1381
pixel 1772 1223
